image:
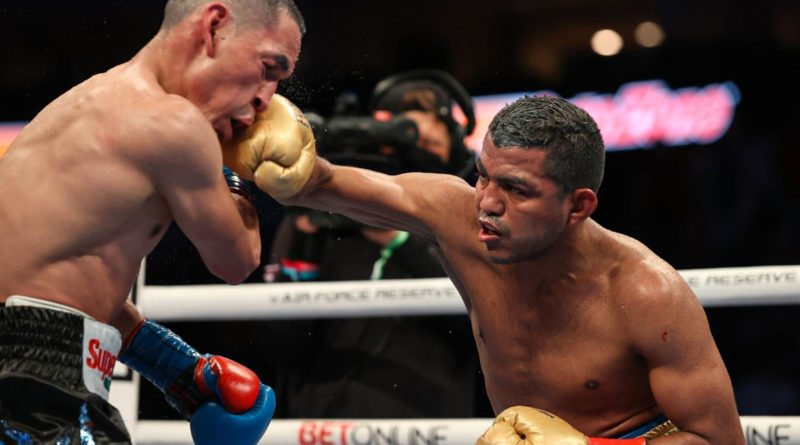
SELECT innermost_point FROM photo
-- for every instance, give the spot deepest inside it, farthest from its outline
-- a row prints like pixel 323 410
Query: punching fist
pixel 523 425
pixel 221 398
pixel 277 152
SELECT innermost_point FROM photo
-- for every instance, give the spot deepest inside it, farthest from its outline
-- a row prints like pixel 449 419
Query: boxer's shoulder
pixel 163 130
pixel 170 116
pixel 449 194
pixel 136 106
pixel 644 280
pixel 445 203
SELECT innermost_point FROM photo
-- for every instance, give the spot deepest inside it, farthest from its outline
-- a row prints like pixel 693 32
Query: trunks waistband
pixel 19 300
pixel 57 344
pixel 656 427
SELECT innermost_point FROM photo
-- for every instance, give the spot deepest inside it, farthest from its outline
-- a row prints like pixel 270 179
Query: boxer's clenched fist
pixel 523 425
pixel 225 401
pixel 277 152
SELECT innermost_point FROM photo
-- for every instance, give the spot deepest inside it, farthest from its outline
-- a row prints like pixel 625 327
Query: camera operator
pixel 412 129
pixel 392 366
pixel 429 103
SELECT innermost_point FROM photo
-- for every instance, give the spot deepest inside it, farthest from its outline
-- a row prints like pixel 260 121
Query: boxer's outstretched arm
pixel 278 153
pixel 421 203
pixel 687 375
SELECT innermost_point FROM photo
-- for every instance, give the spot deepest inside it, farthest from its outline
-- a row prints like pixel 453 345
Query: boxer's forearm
pixel 249 217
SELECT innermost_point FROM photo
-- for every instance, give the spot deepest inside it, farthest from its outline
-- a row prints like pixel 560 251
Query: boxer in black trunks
pixel 90 186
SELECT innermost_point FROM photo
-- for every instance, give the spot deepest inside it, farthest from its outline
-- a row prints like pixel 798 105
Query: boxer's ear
pixel 214 17
pixel 584 203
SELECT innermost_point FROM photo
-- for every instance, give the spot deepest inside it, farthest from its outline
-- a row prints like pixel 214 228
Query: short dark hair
pixel 248 12
pixel 419 95
pixel 575 154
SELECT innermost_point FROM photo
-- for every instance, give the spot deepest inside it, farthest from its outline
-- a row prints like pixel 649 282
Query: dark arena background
pixel 724 195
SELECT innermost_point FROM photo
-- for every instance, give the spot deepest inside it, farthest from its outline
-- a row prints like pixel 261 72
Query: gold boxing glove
pixel 523 425
pixel 277 152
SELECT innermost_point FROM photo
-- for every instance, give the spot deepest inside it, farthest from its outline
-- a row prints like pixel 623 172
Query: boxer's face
pixel 521 211
pixel 244 72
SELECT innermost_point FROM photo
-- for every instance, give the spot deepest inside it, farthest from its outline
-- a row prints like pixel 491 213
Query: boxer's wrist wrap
pixel 236 184
pixel 601 441
pixel 167 361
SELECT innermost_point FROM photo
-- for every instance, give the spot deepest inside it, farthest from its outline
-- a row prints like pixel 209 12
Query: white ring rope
pixel 761 285
pixel 758 430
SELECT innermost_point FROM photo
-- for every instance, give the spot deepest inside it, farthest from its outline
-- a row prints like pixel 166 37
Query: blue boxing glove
pixel 229 399
pixel 213 424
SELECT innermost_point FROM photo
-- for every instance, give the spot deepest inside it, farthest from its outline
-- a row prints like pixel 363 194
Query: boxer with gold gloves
pixel 567 316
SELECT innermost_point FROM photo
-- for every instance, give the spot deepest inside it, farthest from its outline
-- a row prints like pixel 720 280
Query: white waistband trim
pixel 19 300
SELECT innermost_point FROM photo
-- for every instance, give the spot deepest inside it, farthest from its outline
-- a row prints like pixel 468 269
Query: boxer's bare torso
pixel 82 189
pixel 80 211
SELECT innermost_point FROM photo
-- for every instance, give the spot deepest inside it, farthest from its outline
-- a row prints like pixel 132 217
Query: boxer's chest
pixel 575 354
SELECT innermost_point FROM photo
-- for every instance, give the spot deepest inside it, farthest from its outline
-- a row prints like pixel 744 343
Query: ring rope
pixel 744 286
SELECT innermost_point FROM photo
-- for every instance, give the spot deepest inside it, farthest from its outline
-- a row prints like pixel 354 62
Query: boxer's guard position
pixel 88 189
pixel 572 321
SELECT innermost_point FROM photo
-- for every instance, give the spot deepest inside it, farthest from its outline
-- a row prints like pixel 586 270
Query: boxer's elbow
pixel 233 271
pixel 232 276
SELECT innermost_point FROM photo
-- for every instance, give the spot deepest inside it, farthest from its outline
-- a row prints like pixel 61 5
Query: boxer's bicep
pixel 687 376
pixel 188 175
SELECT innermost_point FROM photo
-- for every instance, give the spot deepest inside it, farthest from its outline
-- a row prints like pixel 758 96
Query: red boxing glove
pixel 245 406
pixel 236 385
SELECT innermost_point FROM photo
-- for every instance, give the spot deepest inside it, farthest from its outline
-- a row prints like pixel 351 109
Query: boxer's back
pixel 79 212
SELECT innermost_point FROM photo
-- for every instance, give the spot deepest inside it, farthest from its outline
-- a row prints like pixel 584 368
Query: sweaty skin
pixel 93 181
pixel 567 316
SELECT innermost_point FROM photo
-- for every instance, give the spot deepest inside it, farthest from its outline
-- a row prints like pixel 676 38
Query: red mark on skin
pixel 664 336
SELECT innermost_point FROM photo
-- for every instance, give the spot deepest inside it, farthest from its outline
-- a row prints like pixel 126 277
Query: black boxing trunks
pixel 55 372
pixel 656 427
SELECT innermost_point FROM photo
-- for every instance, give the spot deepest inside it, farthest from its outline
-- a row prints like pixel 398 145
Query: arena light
pixel 648 34
pixel 639 115
pixel 606 42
